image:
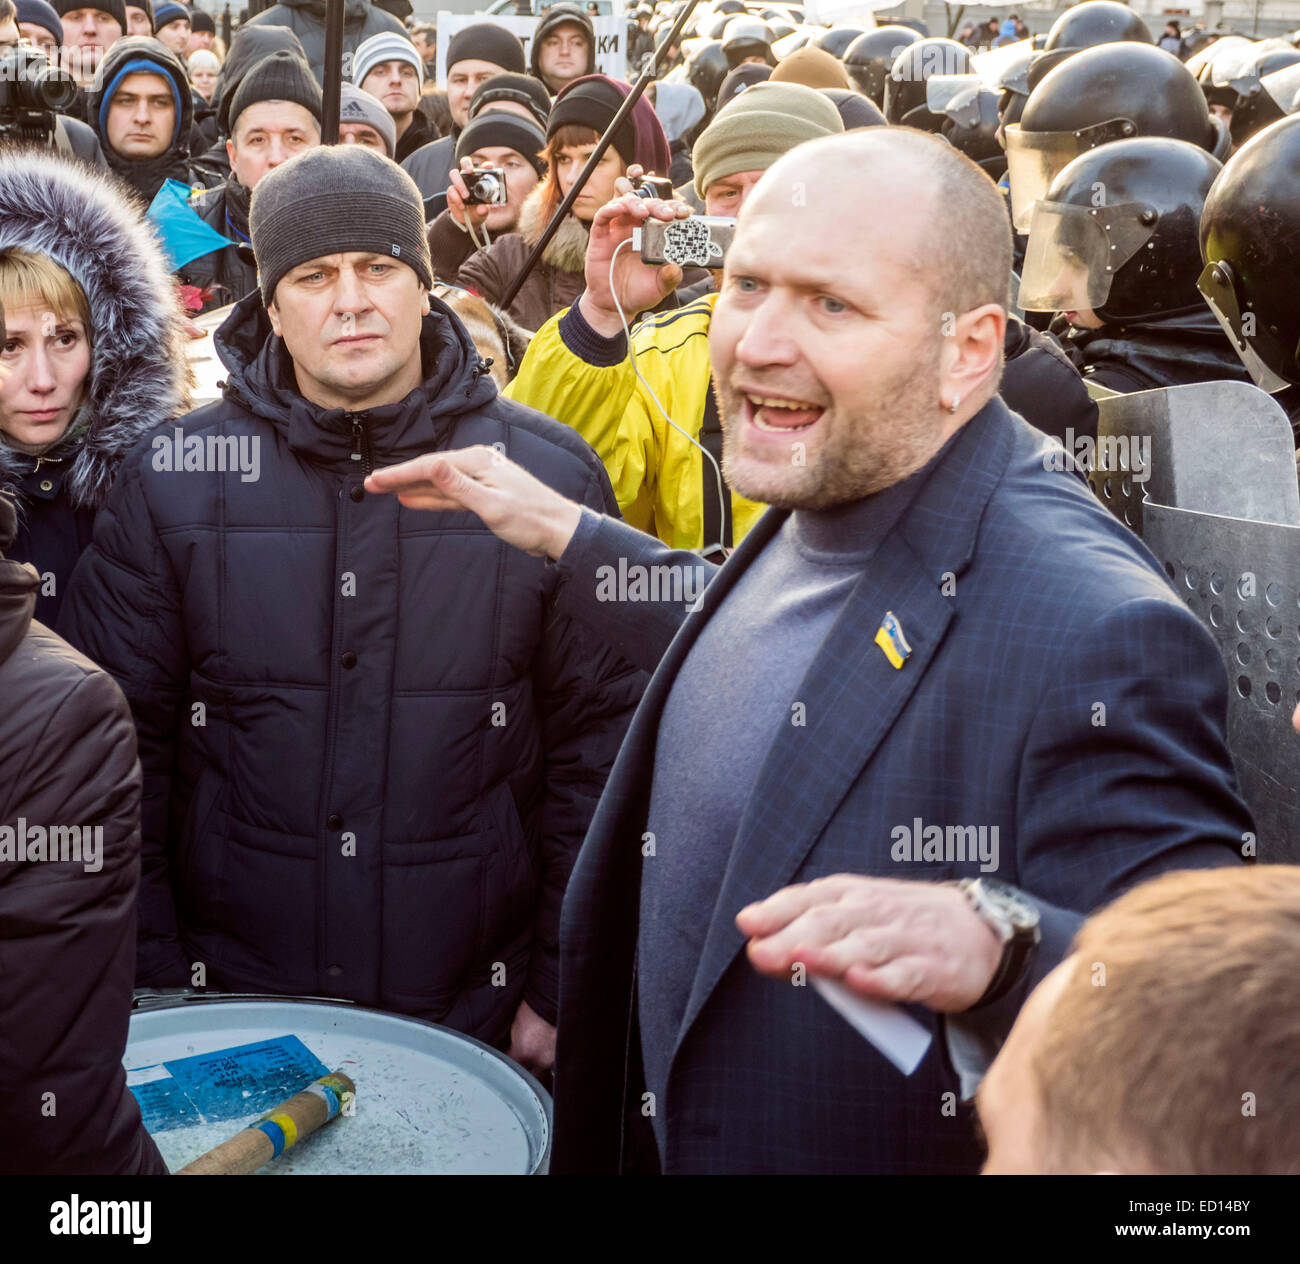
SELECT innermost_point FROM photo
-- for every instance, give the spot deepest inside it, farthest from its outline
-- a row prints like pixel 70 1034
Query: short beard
pixel 865 452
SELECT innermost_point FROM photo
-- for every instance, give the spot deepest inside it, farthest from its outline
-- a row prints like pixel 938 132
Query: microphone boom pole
pixel 597 154
pixel 329 122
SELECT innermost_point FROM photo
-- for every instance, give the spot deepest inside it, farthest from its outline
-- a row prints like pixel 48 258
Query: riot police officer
pixel 869 58
pixel 1248 232
pixel 1098 96
pixel 1113 249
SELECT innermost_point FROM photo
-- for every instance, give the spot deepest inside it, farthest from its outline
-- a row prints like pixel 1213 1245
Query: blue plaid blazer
pixel 1056 689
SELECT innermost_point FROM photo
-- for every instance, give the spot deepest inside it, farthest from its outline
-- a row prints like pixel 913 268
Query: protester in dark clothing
pixel 387 794
pixel 475 54
pixel 924 628
pixel 364 121
pixel 389 68
pixel 306 19
pixel 563 47
pixel 274 115
pixel 581 113
pixel 249 45
pixel 78 396
pixel 513 146
pixel 67 916
pixel 142 111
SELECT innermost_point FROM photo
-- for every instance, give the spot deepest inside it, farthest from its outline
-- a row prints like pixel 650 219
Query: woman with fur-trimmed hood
pixel 582 112
pixel 93 356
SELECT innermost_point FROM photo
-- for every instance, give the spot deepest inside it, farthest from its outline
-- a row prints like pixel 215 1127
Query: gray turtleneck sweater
pixel 737 686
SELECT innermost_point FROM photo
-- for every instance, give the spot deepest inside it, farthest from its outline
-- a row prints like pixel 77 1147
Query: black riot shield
pixel 1214 447
pixel 1206 475
pixel 1243 580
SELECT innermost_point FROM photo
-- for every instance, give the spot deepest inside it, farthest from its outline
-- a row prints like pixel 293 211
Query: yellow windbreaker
pixel 658 475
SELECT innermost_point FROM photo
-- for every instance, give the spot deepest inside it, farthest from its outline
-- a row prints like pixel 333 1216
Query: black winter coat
pixel 67 929
pixel 1170 351
pixel 399 746
pixel 1040 383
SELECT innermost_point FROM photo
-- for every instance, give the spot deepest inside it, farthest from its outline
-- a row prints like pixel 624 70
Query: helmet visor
pixel 1035 159
pixel 1074 253
pixel 1216 285
pixel 1006 68
pixel 942 90
pixel 1284 87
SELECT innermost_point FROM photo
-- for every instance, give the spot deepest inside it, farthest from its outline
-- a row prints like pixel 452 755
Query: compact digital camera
pixel 702 241
pixel 486 186
pixel 653 187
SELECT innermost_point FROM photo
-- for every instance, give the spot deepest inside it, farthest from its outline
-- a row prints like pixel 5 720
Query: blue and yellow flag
pixel 185 237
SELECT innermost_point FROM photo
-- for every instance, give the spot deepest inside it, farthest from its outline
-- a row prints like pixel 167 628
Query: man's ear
pixel 230 152
pixel 973 348
pixel 273 314
pixel 426 306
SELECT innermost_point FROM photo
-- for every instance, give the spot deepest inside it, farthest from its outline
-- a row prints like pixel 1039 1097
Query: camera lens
pixel 53 88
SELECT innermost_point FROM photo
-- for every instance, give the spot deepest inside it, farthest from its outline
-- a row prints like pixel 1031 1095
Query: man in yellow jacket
pixel 667 475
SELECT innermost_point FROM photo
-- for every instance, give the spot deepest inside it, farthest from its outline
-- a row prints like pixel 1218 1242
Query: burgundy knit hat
pixel 593 100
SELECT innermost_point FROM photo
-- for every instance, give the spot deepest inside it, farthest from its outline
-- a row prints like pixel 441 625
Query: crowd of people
pixel 583 647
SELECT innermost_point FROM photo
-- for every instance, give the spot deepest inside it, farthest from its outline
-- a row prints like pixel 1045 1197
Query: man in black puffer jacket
pixel 371 749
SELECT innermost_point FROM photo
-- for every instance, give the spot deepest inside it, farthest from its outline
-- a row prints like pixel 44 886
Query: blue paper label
pixel 226 1084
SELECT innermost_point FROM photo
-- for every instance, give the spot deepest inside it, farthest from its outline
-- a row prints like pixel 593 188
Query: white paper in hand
pixel 893 1031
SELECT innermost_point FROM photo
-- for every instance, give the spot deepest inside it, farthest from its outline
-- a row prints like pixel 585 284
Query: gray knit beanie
pixel 332 199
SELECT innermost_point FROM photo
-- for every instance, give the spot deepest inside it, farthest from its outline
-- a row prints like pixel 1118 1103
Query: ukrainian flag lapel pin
pixel 890 638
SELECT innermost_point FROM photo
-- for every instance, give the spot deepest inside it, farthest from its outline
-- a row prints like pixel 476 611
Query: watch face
pixel 1011 904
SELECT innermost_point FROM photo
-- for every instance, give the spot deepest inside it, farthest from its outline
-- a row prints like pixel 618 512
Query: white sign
pixel 611 38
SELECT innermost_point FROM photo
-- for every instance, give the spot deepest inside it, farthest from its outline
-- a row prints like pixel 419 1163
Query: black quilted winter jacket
pixel 370 747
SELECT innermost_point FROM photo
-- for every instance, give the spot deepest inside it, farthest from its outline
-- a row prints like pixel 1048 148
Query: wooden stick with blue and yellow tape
pixel 278 1130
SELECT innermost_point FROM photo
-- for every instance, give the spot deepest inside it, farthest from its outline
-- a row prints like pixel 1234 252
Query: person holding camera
pixel 501 163
pixel 581 113
pixel 28 81
pixel 579 369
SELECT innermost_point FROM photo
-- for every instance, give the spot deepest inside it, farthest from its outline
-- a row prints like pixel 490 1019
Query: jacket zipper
pixel 361 443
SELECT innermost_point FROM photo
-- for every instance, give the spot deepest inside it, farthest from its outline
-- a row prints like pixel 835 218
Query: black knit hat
pixel 331 199
pixel 486 41
pixel 167 12
pixel 282 76
pixel 115 8
pixel 201 21
pixel 522 89
pixel 500 127
pixel 593 104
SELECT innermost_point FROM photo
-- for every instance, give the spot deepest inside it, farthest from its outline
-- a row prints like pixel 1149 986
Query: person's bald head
pixel 867 284
pixel 906 188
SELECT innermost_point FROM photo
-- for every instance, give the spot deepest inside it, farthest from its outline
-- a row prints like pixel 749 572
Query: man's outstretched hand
pixel 887 939
pixel 515 506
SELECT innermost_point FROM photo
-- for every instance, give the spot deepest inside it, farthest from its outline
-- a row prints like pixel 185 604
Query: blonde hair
pixel 34 280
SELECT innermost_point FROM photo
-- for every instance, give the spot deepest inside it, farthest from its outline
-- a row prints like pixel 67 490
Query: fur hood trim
pixel 567 250
pixel 87 222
